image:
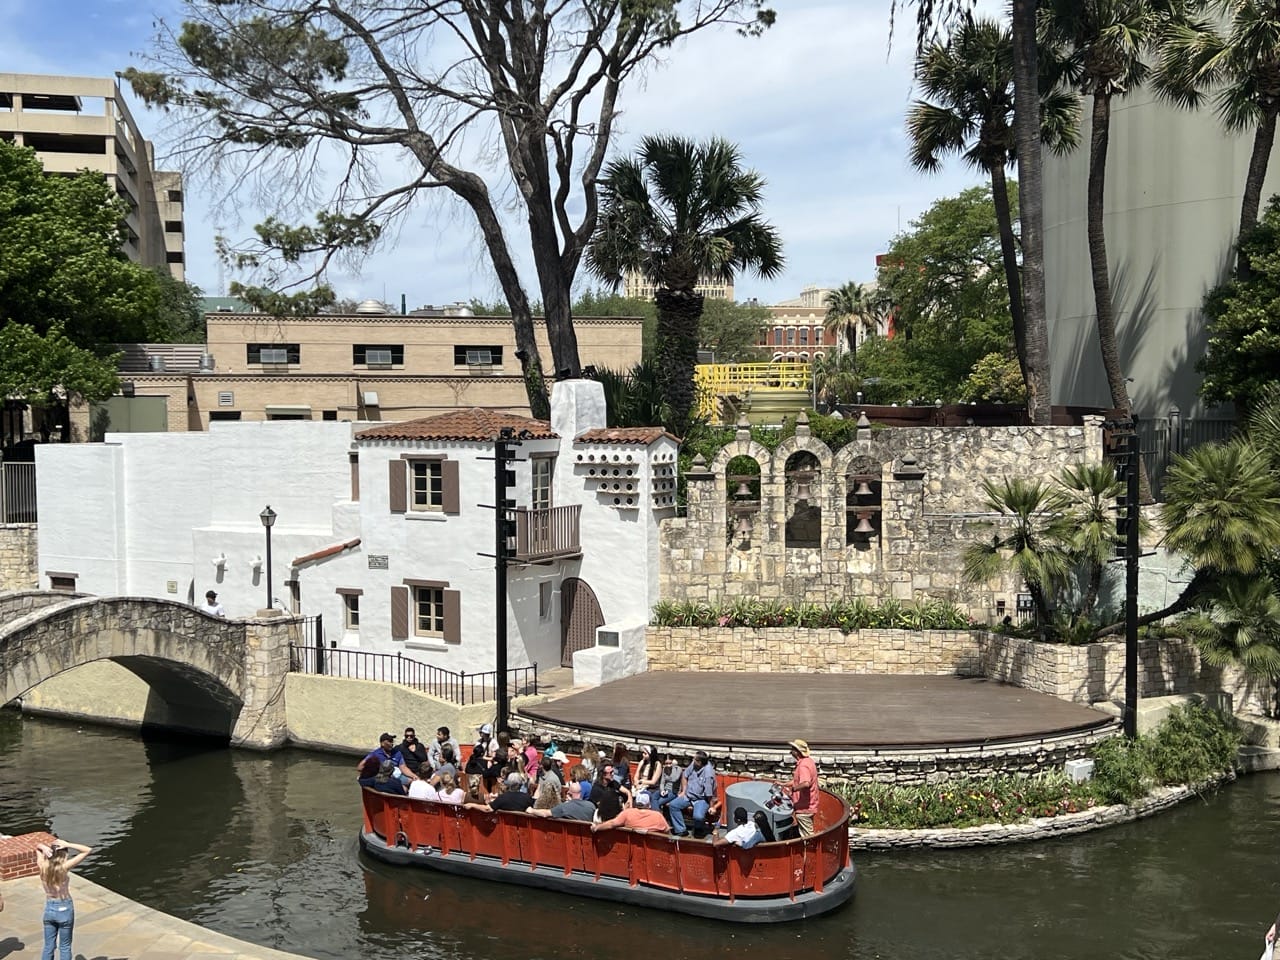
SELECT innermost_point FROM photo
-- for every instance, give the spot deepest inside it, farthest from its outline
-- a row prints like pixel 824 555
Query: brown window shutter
pixel 399 613
pixel 452 616
pixel 449 486
pixel 398 470
pixel 355 476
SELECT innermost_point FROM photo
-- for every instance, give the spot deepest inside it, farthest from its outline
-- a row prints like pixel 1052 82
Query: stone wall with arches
pixel 886 516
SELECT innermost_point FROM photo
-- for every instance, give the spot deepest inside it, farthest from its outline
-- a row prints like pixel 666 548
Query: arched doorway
pixel 579 616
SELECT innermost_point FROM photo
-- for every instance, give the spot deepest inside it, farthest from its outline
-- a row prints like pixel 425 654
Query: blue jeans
pixel 679 805
pixel 59 920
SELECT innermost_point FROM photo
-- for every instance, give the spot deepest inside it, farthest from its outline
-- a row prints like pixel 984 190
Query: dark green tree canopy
pixel 1243 356
pixel 60 256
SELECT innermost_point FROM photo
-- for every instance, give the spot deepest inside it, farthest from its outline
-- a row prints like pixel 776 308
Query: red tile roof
pixel 327 552
pixel 645 435
pixel 475 424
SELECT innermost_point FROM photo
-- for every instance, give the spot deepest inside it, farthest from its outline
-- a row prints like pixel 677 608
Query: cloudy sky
pixel 816 105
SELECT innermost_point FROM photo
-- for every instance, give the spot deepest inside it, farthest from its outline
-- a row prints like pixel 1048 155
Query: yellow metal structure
pixel 715 381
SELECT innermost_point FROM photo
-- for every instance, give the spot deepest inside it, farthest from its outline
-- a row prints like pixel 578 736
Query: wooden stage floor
pixel 828 710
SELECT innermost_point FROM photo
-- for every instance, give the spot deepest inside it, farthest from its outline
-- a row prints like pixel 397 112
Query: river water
pixel 264 848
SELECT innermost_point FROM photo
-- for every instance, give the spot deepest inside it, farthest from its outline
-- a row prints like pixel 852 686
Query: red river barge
pixel 783 880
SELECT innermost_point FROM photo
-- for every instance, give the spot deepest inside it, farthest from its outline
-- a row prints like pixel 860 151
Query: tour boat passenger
pixel 575 808
pixel 638 817
pixel 448 788
pixel 386 781
pixel 648 771
pixel 697 790
pixel 745 833
pixel 436 750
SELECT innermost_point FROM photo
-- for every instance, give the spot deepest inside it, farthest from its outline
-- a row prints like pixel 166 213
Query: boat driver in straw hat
pixel 803 787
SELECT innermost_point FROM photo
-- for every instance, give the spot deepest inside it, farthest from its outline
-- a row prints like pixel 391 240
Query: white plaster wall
pixel 82 501
pixel 1172 205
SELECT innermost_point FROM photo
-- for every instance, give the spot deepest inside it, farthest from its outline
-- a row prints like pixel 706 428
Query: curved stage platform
pixel 833 712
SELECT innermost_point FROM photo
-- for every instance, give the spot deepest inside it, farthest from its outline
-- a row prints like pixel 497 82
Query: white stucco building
pixel 380 527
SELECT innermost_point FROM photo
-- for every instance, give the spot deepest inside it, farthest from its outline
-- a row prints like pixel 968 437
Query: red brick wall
pixel 18 855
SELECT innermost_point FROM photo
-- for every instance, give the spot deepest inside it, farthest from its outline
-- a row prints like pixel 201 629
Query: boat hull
pixel 743 909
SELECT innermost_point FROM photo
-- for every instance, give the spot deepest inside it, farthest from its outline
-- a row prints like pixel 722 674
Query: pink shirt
pixel 531 762
pixel 805 800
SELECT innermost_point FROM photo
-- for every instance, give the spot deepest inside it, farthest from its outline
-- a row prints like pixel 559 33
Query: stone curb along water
pixel 1038 828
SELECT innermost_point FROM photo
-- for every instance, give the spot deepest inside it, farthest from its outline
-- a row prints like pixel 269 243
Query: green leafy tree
pixel 1242 358
pixel 932 15
pixel 676 211
pixel 732 330
pixel 1238 67
pixel 995 378
pixel 1030 540
pixel 1092 491
pixel 946 281
pixel 50 370
pixel 967 109
pixel 179 313
pixel 279 87
pixel 61 263
pixel 836 378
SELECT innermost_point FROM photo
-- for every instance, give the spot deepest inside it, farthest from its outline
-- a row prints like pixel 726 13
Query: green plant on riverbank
pixel 1192 746
pixel 843 615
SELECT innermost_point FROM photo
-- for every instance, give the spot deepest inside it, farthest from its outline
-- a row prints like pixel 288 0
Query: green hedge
pixel 1192 746
pixel 844 615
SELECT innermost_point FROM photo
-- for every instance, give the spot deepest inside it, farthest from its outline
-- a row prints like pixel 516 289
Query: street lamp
pixel 268 518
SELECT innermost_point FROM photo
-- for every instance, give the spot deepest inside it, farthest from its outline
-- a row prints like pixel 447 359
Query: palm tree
pixel 852 306
pixel 1093 490
pixel 835 377
pixel 967 82
pixel 1243 68
pixel 1023 18
pixel 1105 43
pixel 1035 544
pixel 1240 625
pixel 1221 512
pixel 676 211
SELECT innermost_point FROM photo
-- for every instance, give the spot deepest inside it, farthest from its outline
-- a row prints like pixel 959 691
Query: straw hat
pixel 800 746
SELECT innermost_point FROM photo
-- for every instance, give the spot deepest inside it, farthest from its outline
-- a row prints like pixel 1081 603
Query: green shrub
pixel 1192 745
pixel 1121 770
pixel 963 802
pixel 844 615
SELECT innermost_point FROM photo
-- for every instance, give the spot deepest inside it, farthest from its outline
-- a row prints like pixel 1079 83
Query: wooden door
pixel 579 616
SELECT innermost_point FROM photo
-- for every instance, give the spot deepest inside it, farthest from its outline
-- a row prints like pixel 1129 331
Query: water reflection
pixel 264 848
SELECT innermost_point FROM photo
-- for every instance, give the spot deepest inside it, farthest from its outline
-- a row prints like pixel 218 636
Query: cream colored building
pixel 362 367
pixel 637 286
pixel 79 123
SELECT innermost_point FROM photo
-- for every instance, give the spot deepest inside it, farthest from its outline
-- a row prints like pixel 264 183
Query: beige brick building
pixel 361 367
pixel 83 123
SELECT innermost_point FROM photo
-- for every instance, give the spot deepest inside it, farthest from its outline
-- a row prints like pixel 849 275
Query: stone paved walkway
pixel 112 927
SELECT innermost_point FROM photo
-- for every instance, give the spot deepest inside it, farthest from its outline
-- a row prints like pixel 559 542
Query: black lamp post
pixel 268 518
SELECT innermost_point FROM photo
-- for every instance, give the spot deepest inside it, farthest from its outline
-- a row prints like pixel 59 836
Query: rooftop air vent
pixel 371 308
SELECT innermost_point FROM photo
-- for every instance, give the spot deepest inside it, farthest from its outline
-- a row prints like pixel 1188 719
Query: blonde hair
pixel 54 870
pixel 548 796
pixel 447 783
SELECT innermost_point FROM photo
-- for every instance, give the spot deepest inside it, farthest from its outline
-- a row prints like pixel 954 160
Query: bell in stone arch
pixel 864 527
pixel 742 529
pixel 864 489
pixel 744 489
pixel 802 489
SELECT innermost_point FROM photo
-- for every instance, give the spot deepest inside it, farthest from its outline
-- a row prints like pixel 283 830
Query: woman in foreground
pixel 56 861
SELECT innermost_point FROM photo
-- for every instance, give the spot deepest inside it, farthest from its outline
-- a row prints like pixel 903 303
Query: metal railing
pixel 456 687
pixel 547 533
pixel 18 493
pixel 1162 438
pixel 715 380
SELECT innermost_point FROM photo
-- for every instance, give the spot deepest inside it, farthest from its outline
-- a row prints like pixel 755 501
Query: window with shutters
pixel 424 484
pixel 426 478
pixel 428 611
pixel 425 613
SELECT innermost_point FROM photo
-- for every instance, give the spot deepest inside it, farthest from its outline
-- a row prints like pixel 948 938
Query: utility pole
pixel 1133 454
pixel 504 480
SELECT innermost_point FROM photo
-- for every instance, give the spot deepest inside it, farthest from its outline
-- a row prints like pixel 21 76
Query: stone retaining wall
pixel 1039 828
pixel 1092 671
pixel 804 650
pixel 901 767
pixel 18 557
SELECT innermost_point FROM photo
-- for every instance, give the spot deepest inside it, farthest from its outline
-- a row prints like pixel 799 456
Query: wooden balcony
pixel 547 534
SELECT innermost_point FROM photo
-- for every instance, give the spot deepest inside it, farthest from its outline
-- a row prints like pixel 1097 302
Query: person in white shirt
pixel 211 605
pixel 745 833
pixel 423 790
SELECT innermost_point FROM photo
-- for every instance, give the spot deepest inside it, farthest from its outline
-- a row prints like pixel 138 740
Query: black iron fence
pixel 1161 438
pixel 312 656
pixel 17 492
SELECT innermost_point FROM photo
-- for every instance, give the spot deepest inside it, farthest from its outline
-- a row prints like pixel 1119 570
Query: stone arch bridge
pixel 206 675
